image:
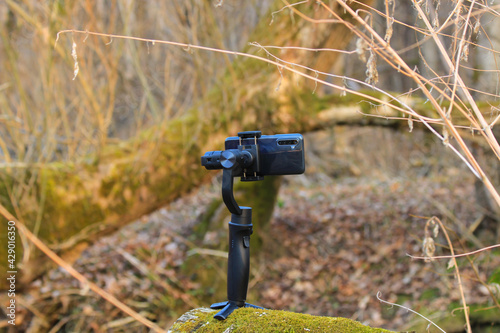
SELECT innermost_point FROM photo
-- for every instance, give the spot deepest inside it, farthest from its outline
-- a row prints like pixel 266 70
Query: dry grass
pixel 121 88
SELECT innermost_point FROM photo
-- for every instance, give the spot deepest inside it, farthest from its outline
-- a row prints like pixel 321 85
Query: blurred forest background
pixel 102 127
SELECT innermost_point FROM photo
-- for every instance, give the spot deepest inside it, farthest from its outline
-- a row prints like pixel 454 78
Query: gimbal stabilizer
pixel 243 162
pixel 250 157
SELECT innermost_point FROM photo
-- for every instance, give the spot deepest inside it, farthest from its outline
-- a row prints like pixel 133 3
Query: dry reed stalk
pixel 119 90
pixel 394 58
pixel 457 271
pixel 83 280
pixel 384 49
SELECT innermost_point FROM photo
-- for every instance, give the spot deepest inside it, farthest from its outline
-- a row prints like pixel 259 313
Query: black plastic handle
pixel 240 229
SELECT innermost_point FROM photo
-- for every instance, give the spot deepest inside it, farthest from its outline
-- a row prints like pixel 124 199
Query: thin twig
pixel 207 252
pixel 408 309
pixel 457 255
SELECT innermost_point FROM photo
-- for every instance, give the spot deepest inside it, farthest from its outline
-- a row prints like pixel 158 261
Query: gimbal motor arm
pixel 242 162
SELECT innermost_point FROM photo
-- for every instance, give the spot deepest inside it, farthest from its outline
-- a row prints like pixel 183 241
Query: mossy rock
pixel 256 320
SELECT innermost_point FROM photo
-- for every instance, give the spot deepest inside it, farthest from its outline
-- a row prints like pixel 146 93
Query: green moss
pixel 58 207
pixel 255 320
pixel 210 274
pixel 308 105
pixel 203 226
pixel 487 316
pixel 5 184
pixel 262 197
pixel 430 294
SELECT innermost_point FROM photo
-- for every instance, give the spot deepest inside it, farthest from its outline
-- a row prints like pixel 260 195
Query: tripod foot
pixel 248 305
pixel 219 305
pixel 228 307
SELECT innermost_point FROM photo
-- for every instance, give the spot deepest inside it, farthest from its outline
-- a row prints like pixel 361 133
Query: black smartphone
pixel 279 154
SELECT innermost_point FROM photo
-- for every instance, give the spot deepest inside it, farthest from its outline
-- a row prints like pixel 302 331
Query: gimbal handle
pixel 240 229
pixel 238 268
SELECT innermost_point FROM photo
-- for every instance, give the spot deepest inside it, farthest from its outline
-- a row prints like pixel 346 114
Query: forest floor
pixel 342 240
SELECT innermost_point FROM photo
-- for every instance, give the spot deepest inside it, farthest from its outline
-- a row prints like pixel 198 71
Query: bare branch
pixel 457 255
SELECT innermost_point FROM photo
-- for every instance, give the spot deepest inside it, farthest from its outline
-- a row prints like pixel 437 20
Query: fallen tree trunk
pixel 76 204
pixel 256 320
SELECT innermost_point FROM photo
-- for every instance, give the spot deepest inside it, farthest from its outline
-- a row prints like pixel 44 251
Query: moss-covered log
pixel 255 320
